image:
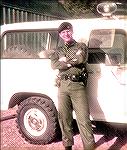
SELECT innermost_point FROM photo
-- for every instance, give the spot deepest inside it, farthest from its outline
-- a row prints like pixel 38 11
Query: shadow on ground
pixel 108 133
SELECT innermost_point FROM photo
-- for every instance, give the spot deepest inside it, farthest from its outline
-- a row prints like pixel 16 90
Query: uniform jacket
pixel 76 54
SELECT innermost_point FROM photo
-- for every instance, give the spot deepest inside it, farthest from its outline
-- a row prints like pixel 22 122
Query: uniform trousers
pixel 72 96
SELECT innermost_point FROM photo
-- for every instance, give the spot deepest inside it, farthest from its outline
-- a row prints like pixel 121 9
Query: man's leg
pixel 81 109
pixel 65 116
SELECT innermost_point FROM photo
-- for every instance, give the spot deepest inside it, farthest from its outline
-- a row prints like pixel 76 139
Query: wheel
pixel 37 120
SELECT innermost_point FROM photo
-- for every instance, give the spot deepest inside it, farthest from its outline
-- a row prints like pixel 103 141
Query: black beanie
pixel 64 26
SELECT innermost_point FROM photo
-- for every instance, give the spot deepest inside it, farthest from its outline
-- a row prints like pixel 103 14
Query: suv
pixel 28 81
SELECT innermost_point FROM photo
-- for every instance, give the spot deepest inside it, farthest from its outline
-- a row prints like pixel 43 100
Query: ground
pixel 12 140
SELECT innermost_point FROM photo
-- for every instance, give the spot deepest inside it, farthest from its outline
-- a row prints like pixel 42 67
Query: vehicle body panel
pixel 107 94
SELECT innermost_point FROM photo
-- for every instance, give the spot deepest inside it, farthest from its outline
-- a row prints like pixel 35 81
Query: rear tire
pixel 37 120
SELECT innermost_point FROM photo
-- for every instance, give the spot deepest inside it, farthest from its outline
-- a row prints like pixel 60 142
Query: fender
pixel 17 98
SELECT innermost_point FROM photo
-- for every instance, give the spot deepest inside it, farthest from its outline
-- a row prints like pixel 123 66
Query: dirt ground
pixel 12 140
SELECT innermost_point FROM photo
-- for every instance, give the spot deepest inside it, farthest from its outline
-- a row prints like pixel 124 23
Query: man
pixel 71 60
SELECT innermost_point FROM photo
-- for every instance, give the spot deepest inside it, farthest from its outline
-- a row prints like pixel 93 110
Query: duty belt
pixel 72 77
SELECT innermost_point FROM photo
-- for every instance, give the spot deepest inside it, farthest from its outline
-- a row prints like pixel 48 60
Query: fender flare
pixel 17 98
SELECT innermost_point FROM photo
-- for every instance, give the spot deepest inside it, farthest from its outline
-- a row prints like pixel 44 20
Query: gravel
pixel 12 140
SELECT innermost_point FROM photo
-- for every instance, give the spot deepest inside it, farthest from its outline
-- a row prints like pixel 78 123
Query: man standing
pixel 71 60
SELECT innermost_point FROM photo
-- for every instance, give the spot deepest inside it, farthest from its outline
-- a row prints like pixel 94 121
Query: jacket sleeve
pixel 81 56
pixel 56 64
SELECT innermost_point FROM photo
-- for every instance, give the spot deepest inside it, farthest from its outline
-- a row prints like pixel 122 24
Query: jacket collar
pixel 71 43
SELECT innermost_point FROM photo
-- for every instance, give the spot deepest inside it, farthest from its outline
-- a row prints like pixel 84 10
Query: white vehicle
pixel 30 83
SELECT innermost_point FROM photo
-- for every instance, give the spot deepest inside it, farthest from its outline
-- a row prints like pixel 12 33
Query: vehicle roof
pixel 54 24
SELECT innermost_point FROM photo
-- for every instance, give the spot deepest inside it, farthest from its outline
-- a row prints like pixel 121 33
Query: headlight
pixel 106 9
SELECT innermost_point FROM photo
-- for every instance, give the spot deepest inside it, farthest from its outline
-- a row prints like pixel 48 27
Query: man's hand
pixel 63 59
pixel 74 60
pixel 69 65
pixel 78 52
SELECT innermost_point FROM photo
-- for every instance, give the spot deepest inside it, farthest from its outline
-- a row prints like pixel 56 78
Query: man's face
pixel 66 35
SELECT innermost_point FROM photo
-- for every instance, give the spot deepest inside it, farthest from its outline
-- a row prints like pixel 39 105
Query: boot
pixel 68 148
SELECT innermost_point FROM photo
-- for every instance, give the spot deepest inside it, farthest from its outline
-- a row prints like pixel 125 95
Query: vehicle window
pixel 102 38
pixel 33 42
pixel 96 57
pixel 117 53
pixel 111 43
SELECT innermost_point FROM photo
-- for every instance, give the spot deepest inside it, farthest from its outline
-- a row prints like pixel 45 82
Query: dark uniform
pixel 72 93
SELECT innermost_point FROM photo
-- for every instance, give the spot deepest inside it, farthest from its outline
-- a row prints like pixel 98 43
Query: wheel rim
pixel 35 122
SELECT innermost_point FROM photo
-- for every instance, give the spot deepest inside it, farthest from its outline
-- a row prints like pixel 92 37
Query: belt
pixel 72 77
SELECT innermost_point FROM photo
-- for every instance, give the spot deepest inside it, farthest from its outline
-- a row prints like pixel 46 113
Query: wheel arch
pixel 17 98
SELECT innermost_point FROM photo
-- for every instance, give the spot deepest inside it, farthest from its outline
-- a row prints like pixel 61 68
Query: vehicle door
pixel 107 81
pixel 22 70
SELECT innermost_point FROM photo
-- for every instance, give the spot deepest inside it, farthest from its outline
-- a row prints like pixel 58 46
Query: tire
pixel 37 120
